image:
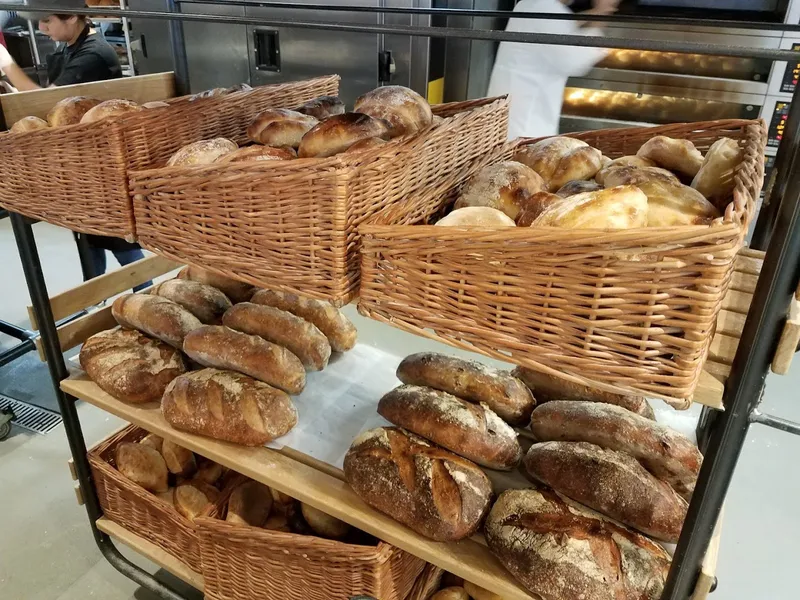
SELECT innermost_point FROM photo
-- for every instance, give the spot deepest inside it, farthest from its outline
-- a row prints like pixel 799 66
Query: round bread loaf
pixel 203 152
pixel 505 186
pixel 153 440
pixel 205 302
pixel 26 124
pixel 560 160
pixel 323 524
pixel 336 134
pixel 367 144
pixel 476 216
pixel 404 109
pixel 143 465
pixel 280 127
pixel 680 156
pixel 249 504
pixel 323 107
pixel 251 153
pixel 110 109
pixel 70 111
pixel 237 291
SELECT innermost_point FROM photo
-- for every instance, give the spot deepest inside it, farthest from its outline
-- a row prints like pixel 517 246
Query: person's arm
pixel 15 74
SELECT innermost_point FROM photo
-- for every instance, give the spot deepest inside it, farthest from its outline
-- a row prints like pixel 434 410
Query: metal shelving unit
pixel 721 432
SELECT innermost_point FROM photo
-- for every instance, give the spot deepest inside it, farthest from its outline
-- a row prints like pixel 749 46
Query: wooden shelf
pixel 152 552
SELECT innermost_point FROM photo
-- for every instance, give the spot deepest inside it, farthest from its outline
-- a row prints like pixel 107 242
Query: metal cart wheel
pixel 5 429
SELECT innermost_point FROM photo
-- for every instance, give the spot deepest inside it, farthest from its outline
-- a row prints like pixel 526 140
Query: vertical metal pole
pixel 177 42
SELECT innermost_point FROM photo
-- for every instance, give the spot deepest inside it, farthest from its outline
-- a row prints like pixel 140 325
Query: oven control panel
pixel 777 124
pixel 791 75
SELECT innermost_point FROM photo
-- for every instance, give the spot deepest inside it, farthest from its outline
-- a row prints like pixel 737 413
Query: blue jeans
pixel 124 257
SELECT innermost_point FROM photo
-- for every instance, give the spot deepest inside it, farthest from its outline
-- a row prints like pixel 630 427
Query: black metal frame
pixel 721 434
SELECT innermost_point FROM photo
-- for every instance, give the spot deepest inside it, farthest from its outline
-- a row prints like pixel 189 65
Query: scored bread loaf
pixel 70 111
pixel 26 124
pixel 562 551
pixel 323 107
pixel 679 156
pixel 404 109
pixel 341 333
pixel 237 291
pixel 203 152
pixel 179 460
pixel 301 338
pixel 280 127
pixel 622 207
pixel 129 365
pixel 560 159
pixel 194 498
pixel 611 483
pixel 470 430
pixel 249 504
pixel 470 380
pixel 110 109
pixel 336 134
pixel 143 465
pixel 669 455
pixel 228 406
pixel 223 348
pixel 506 186
pixel 323 524
pixel 476 216
pixel 156 316
pixel 251 153
pixel 547 388
pixel 716 178
pixel 434 492
pixel 205 302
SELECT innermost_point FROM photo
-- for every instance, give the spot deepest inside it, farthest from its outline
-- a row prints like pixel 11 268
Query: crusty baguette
pixel 669 455
pixel 156 316
pixel 224 348
pixel 204 301
pixel 237 291
pixel 434 492
pixel 506 395
pixel 249 504
pixel 143 465
pixel 611 483
pixel 562 551
pixel 341 333
pixel 228 406
pixel 301 338
pixel 470 430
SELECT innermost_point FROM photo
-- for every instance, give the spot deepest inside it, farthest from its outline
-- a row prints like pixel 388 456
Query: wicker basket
pixel 292 225
pixel 77 176
pixel 629 311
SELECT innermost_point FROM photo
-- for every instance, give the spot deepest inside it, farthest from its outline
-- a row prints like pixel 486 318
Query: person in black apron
pixel 80 57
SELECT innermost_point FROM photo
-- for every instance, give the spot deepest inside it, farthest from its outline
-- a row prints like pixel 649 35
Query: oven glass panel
pixel 778 123
pixel 759 5
pixel 746 69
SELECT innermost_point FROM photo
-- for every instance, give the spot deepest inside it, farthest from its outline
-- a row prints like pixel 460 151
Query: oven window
pixel 754 5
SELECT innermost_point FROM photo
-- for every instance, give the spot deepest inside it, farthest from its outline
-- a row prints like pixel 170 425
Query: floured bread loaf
pixel 404 109
pixel 506 186
pixel 205 302
pixel 280 127
pixel 26 124
pixel 476 216
pixel 560 160
pixel 715 179
pixel 623 207
pixel 323 107
pixel 203 152
pixel 680 156
pixel 70 111
pixel 156 316
pixel 251 153
pixel 110 109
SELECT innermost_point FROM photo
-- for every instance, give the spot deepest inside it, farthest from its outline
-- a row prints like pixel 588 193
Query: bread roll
pixel 404 109
pixel 179 460
pixel 611 483
pixel 476 216
pixel 70 111
pixel 336 134
pixel 249 504
pixel 301 338
pixel 205 302
pixel 237 291
pixel 143 465
pixel 623 207
pixel 664 452
pixel 323 107
pixel 195 498
pixel 203 152
pixel 562 551
pixel 26 124
pixel 434 492
pixel 478 593
pixel 280 127
pixel 209 471
pixel 572 188
pixel 625 161
pixel 535 206
pixel 156 316
pixel 341 333
pixel 110 109
pixel 323 524
pixel 154 441
pixel 676 155
pixel 228 406
pixel 675 204
pixel 366 144
pixel 224 348
pixel 470 380
pixel 470 430
pixel 505 186
pixel 256 153
pixel 715 179
pixel 547 388
pixel 451 593
pixel 560 160
pixel 130 366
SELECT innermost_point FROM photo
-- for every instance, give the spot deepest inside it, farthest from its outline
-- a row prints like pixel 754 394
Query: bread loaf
pixel 535 206
pixel 561 551
pixel 280 127
pixel 156 316
pixel 676 155
pixel 203 152
pixel 451 593
pixel 560 160
pixel 434 492
pixel 637 175
pixel 237 291
pixel 323 107
pixel 506 395
pixel 476 216
pixel 301 338
pixel 622 207
pixel 625 161
pixel 664 452
pixel 249 504
pixel 26 124
pixel 228 406
pixel 70 111
pixel 470 430
pixel 179 460
pixel 323 524
pixel 110 109
pixel 611 483
pixel 341 333
pixel 546 388
pixel 506 186
pixel 571 188
pixel 336 134
pixel 195 498
pixel 404 109
pixel 168 496
pixel 143 465
pixel 154 441
pixel 209 471
pixel 675 204
pixel 205 302
pixel 478 593
pixel 366 144
pixel 224 348
pixel 129 365
pixel 256 153
pixel 715 179
pixel 277 521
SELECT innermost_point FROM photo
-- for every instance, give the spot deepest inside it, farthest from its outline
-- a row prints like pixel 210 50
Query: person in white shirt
pixel 534 75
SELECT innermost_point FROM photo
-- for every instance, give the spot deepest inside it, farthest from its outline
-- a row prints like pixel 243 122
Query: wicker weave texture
pixel 292 225
pixel 627 311
pixel 77 176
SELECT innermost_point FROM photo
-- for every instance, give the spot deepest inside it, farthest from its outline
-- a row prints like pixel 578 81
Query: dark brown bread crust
pixel 323 107
pixel 156 316
pixel 280 127
pixel 611 483
pixel 70 111
pixel 204 301
pixel 509 397
pixel 667 454
pixel 404 109
pixel 336 134
pixel 470 430
pixel 237 291
pixel 563 551
pixel 434 492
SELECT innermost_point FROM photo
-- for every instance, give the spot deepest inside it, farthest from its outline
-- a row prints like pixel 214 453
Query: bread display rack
pixel 752 322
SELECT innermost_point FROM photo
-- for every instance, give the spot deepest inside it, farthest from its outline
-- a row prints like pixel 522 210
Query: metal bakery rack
pixel 759 329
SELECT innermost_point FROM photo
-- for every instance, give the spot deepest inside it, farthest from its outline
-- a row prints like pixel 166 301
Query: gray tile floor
pixel 47 551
